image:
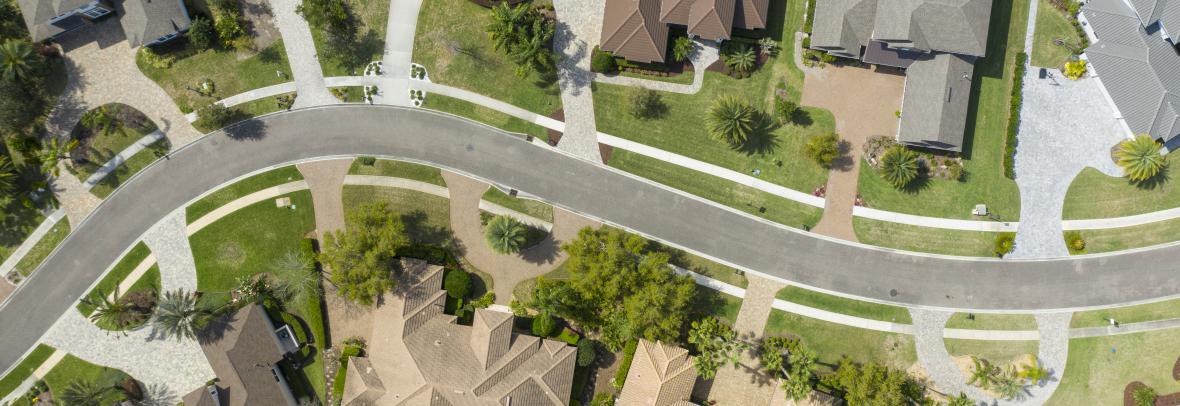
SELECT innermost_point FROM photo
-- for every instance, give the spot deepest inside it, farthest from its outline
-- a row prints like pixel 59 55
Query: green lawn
pixel 240 189
pixel 833 341
pixel 987 123
pixel 741 197
pixel 24 369
pixel 370 17
pixel 117 273
pixel 23 221
pixel 530 207
pixel 1117 239
pixel 684 78
pixel 998 352
pixel 728 309
pixel 72 369
pixel 349 94
pixel 484 115
pixel 1095 195
pixel 427 217
pixel 453 45
pixel 1099 368
pixel 1167 309
pixel 100 148
pixel 33 258
pixel 924 239
pixel 851 307
pixel 245 111
pixel 706 267
pixel 399 169
pixel 130 167
pixel 984 321
pixel 229 75
pixel 1052 24
pixel 249 241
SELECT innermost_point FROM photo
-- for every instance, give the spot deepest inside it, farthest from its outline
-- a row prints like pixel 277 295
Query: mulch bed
pixel 554 135
pixel 720 66
pixel 605 151
pixel 1171 399
pixel 672 69
pixel 493 3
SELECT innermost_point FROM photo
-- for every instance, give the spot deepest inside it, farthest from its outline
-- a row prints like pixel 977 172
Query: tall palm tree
pixel 506 235
pixel 1009 385
pixel 178 315
pixel 1140 157
pixel 7 174
pixel 507 25
pixel 301 273
pixel 16 60
pixel 899 166
pixel 742 59
pixel 85 393
pixel 731 120
pixel 113 313
pixel 53 153
pixel 983 374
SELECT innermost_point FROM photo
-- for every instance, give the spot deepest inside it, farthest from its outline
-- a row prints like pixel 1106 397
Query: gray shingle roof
pixel 955 26
pixel 934 108
pixel 38 12
pixel 843 25
pixel 144 21
pixel 1138 69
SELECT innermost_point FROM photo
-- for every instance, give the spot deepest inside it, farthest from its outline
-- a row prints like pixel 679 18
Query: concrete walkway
pixel 14 258
pixel 301 55
pixel 704 54
pixel 326 181
pixel 121 157
pixel 74 197
pixel 249 96
pixel 399 50
pixel 747 384
pixel 579 25
pixel 168 241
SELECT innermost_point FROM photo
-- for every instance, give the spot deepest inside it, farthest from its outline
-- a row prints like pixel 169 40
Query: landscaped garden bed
pixel 104 132
pixel 1099 368
pixel 1059 37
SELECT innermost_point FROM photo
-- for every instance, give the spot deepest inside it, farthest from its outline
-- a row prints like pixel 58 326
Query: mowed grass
pixel 44 247
pixel 851 307
pixel 130 167
pixel 427 217
pixel 833 341
pixel 115 276
pixel 371 18
pixel 452 43
pixel 1099 368
pixel 23 221
pixel 399 169
pixel 74 369
pixel 240 189
pixel 24 369
pixel 250 241
pixel 747 199
pixel 229 75
pixel 1052 24
pixel 245 111
pixel 997 352
pixel 1122 238
pixel 530 207
pixel 1095 195
pixel 484 115
pixel 705 267
pixel 102 147
pixel 924 239
pixel 1168 309
pixel 983 321
pixel 987 121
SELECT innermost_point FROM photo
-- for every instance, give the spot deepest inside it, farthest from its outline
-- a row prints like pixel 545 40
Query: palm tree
pixel 178 315
pixel 682 48
pixel 507 25
pixel 53 153
pixel 112 313
pixel 1144 396
pixel 983 374
pixel 1034 373
pixel 506 235
pixel 7 174
pixel 532 52
pixel 961 400
pixel 742 59
pixel 1140 157
pixel 300 272
pixel 85 393
pixel 899 166
pixel 731 120
pixel 101 120
pixel 16 60
pixel 1009 385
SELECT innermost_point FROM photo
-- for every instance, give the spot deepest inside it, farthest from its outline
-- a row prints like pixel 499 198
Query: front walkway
pixel 1065 126
pixel 704 54
pixel 169 243
pixel 747 384
pixel 399 49
pixel 301 55
pixel 579 25
pixel 326 181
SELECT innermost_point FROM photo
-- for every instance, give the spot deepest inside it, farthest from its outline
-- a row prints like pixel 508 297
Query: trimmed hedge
pixel 628 356
pixel 1014 116
pixel 602 61
pixel 809 17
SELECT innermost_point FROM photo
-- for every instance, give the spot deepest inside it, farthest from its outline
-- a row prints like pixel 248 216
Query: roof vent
pixel 437 343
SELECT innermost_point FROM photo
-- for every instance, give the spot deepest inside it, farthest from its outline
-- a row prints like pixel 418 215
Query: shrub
pixel 806 42
pixel 228 29
pixel 899 166
pixel 587 352
pixel 1075 69
pixel 1144 396
pixel 1015 101
pixel 1140 158
pixel 367 160
pixel 823 149
pixel 646 103
pixel 682 49
pixel 603 399
pixel 628 357
pixel 769 46
pixel 544 325
pixel 741 59
pixel 809 18
pixel 506 235
pixel 785 109
pixel 954 170
pixel 1004 244
pixel 215 115
pixel 201 33
pixel 1075 241
pixel 602 61
pixel 457 283
pixel 151 58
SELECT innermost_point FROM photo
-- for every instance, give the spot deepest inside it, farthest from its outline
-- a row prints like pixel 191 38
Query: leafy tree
pixel 682 48
pixel 533 53
pixel 787 359
pixel 19 107
pixel 101 120
pixel 603 61
pixel 717 344
pixel 873 384
pixel 53 153
pixel 1144 396
pixel 483 302
pixel 899 166
pixel 785 109
pixel 86 393
pixel 983 374
pixel 216 115
pixel 17 60
pixel 361 256
pixel 506 235
pixel 202 34
pixel 1035 373
pixel 544 325
pixel 329 16
pixel 646 103
pixel 731 120
pixel 742 59
pixel 228 28
pixel 1140 157
pixel 457 284
pixel 823 149
pixel 179 315
pixel 507 25
pixel 961 400
pixel 587 352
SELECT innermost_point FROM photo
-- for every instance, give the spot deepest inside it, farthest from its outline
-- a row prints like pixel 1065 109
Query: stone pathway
pixel 168 241
pixel 1064 128
pixel 74 197
pixel 704 54
pixel 122 156
pixel 507 270
pixel 399 50
pixel 579 26
pixel 326 181
pixel 301 55
pixel 746 384
pixel 27 245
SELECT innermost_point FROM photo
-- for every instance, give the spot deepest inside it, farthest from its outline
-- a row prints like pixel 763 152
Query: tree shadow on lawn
pixel 1158 181
pixel 422 232
pixel 763 139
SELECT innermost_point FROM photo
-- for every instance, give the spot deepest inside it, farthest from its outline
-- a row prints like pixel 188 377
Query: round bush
pixel 457 284
pixel 603 62
pixel 544 325
pixel 587 352
pixel 1077 243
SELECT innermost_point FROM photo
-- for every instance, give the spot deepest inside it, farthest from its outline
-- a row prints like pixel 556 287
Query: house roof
pixel 361 383
pixel 243 358
pixel 934 107
pixel 1137 68
pixel 660 375
pixel 38 12
pixel 955 26
pixel 843 25
pixel 144 21
pixel 632 29
pixel 751 14
pixel 711 19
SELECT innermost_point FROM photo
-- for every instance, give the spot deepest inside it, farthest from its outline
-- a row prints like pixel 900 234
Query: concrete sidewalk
pixel 301 55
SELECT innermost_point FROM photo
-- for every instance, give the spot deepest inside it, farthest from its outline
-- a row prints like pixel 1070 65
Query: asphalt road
pixel 581 186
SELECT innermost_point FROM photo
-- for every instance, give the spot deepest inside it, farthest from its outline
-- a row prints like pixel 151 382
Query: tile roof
pixel 632 29
pixel 711 19
pixel 660 375
pixel 751 14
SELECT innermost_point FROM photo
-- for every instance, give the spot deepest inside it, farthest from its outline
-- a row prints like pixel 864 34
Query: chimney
pixel 491 334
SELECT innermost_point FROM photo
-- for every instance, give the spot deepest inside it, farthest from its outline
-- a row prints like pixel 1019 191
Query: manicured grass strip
pixel 427 217
pixel 998 352
pixel 1168 309
pixel 741 197
pixel 48 242
pixel 1095 195
pixel 241 188
pixel 119 272
pixel 1117 239
pixel 72 369
pixel 924 239
pixel 851 307
pixel 484 115
pixel 399 169
pixel 729 309
pixel 230 76
pixel 24 369
pixel 103 147
pixel 1051 25
pixel 245 111
pixel 992 321
pixel 130 167
pixel 312 313
pixel 527 206
pixel 832 341
pixel 24 221
pixel 1099 368
pixel 987 122
pixel 250 241
pixel 370 20
pixel 706 267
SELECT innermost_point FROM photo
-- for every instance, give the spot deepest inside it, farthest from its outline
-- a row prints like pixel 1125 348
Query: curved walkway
pixel 704 54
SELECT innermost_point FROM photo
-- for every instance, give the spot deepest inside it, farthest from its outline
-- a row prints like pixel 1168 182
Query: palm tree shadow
pixel 762 138
pixel 1160 180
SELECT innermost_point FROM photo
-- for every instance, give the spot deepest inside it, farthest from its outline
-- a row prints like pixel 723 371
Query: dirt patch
pixel 259 23
pixel 554 135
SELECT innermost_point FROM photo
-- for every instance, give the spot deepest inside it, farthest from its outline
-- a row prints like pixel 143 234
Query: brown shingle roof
pixel 660 375
pixel 711 19
pixel 243 359
pixel 751 14
pixel 632 29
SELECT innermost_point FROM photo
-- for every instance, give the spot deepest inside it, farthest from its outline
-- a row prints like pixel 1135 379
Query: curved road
pixel 581 186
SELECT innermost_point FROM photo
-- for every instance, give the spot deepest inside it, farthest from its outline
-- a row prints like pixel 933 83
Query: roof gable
pixel 631 29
